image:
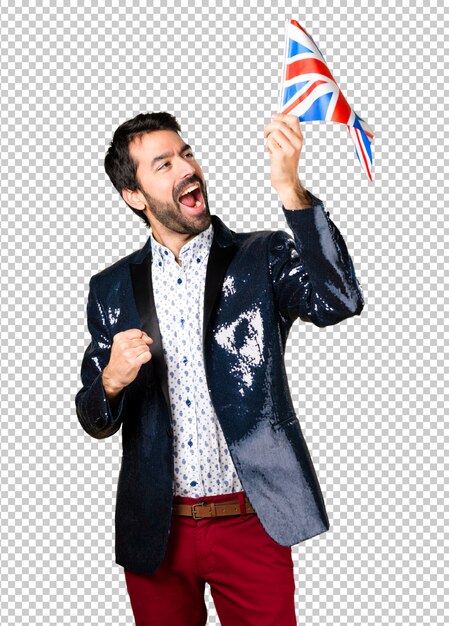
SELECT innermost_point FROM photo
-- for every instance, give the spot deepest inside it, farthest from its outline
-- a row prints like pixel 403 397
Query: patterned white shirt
pixel 203 465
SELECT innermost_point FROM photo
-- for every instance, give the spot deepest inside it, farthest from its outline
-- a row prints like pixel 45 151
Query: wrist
pixel 112 389
pixel 295 197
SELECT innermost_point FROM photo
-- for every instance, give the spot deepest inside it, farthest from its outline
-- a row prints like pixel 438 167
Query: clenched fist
pixel 130 350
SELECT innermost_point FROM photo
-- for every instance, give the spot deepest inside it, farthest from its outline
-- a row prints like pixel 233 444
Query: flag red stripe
pixel 295 23
pixel 342 111
pixel 361 151
pixel 307 66
pixel 303 96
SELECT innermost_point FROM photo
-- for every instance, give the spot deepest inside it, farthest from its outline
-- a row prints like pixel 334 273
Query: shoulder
pixel 257 244
pixel 226 236
pixel 267 239
pixel 119 270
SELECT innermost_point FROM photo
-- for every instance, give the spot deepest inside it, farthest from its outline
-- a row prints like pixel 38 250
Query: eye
pixel 187 154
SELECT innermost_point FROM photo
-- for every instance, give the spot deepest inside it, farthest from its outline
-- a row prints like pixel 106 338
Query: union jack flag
pixel 309 91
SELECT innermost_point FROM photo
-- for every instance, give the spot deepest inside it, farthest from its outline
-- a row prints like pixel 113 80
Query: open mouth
pixel 192 197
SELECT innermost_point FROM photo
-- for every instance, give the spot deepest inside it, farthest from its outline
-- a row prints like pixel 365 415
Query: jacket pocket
pixel 291 418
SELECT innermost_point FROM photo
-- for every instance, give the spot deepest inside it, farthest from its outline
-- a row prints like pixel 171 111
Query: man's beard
pixel 170 215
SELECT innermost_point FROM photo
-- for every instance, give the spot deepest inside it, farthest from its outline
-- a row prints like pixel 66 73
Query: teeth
pixel 191 188
pixel 197 203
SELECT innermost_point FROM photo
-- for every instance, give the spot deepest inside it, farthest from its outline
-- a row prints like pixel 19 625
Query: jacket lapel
pixel 144 297
pixel 219 259
pixel 221 252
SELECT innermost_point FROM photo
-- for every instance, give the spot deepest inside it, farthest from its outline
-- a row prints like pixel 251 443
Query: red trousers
pixel 250 575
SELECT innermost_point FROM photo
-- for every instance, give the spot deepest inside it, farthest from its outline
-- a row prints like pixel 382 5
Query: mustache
pixel 194 179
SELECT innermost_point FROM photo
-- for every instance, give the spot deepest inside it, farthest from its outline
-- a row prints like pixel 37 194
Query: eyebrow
pixel 165 155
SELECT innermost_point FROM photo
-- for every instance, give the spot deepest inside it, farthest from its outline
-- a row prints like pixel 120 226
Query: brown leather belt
pixel 211 509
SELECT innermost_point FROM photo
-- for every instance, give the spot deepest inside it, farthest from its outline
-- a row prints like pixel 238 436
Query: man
pixel 188 336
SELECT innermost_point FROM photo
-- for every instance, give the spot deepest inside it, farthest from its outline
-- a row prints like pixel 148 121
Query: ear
pixel 134 199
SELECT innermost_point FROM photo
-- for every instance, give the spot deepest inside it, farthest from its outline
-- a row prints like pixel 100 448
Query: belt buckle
pixel 194 513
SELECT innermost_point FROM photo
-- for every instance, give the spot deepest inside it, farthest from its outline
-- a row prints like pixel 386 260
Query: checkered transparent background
pixel 370 392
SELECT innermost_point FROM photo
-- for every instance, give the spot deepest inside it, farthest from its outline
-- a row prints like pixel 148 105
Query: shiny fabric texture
pixel 257 285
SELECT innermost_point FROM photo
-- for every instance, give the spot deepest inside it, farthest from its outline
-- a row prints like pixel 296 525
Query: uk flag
pixel 309 91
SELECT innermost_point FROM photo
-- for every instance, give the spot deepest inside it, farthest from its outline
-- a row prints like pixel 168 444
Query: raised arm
pixel 313 273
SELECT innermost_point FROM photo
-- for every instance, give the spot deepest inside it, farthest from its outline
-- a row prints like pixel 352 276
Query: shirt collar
pixel 192 252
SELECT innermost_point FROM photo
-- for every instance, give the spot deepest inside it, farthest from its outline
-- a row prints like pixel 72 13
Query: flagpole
pixel 283 66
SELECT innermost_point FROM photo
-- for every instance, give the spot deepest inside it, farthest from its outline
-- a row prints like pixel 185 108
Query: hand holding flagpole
pixel 284 144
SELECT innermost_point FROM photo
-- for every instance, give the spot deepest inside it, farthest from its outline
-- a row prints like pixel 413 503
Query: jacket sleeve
pixel 95 414
pixel 313 274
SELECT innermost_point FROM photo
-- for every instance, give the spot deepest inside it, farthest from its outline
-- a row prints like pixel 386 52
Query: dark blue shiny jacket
pixel 257 284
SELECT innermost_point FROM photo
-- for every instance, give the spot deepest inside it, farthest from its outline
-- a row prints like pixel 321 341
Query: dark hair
pixel 118 163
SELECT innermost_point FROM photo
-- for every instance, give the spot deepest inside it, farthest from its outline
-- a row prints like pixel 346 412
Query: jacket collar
pixel 223 236
pixel 191 253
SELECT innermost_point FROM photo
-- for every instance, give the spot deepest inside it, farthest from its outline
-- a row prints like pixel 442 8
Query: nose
pixel 186 168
